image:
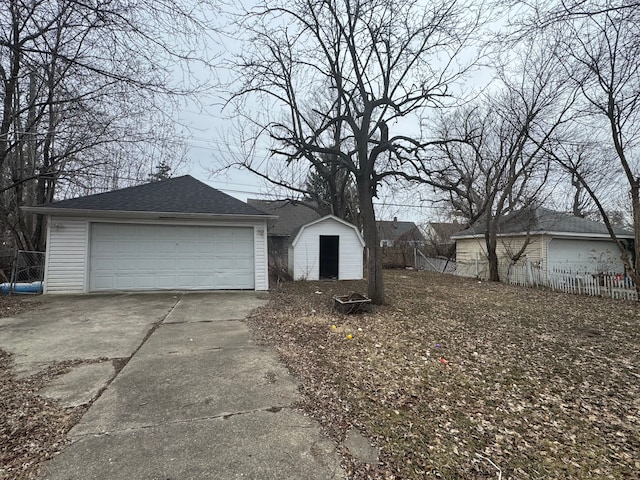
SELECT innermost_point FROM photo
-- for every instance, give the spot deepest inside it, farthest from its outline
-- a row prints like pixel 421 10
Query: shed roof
pixel 180 195
pixel 291 215
pixel 544 221
pixel 296 234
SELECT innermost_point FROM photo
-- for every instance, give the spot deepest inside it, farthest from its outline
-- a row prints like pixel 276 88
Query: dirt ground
pixel 456 378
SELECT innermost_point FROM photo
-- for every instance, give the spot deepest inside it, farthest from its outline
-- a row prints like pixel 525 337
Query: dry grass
pixel 454 374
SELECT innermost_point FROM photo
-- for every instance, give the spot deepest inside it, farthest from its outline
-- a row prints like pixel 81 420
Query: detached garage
pixel 176 234
pixel 327 248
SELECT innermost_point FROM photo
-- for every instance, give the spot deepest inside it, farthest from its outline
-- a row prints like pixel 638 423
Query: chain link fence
pixel 26 275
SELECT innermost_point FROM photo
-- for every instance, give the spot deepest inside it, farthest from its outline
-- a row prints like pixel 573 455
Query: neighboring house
pixel 554 241
pixel 326 248
pixel 438 242
pixel 176 234
pixel 399 234
pixel 291 216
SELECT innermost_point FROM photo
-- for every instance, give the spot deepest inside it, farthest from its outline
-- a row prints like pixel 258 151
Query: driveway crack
pixel 122 362
pixel 223 416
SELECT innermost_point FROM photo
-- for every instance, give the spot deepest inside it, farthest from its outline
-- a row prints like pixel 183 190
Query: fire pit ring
pixel 352 303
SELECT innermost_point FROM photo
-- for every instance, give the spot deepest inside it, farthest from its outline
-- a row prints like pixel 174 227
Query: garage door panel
pixel 186 281
pixel 188 264
pixel 147 257
pixel 125 265
pixel 244 264
pixel 225 248
pixel 208 248
pixel 145 247
pixel 206 265
pixel 224 264
pixel 139 282
pixel 203 281
pixel 103 283
pixel 126 281
pixel 166 281
pixel 166 264
pixel 145 263
pixel 166 248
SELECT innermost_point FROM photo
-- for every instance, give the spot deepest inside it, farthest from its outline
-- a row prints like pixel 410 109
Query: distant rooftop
pixel 394 229
pixel 291 215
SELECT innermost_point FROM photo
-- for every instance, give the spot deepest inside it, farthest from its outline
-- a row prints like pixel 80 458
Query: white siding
pixel 261 257
pixel 471 254
pixel 304 261
pixel 66 261
pixel 582 255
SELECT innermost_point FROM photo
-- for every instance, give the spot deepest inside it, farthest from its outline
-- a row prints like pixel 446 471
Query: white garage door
pixel 588 256
pixel 155 257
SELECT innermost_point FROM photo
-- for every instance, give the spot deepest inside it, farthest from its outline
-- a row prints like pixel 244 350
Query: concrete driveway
pixel 196 398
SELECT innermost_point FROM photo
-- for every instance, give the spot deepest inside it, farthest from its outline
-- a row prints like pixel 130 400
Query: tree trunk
pixel 375 285
pixel 492 256
pixel 635 205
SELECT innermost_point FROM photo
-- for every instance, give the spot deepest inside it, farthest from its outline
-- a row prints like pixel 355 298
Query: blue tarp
pixel 33 287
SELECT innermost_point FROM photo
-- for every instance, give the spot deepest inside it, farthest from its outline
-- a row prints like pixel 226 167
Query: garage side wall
pixel 471 254
pixel 66 261
pixel 261 257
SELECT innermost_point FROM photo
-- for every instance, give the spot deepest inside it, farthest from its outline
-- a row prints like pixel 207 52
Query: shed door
pixel 157 257
pixel 329 254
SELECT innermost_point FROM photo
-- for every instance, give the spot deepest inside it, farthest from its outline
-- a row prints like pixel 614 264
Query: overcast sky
pixel 209 145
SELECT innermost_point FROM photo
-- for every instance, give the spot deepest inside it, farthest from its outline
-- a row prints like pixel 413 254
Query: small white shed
pixel 327 248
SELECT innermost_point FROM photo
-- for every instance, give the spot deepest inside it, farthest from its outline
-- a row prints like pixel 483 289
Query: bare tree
pixel 81 83
pixel 372 62
pixel 602 52
pixel 502 166
pixel 552 12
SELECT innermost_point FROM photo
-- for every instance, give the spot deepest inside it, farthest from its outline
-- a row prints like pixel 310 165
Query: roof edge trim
pixel 76 212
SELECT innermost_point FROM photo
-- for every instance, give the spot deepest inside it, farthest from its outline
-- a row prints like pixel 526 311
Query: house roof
pixel 296 235
pixel 544 221
pixel 179 195
pixel 393 230
pixel 291 215
pixel 444 230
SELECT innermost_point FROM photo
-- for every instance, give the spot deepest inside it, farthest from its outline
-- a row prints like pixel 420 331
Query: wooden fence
pixel 580 283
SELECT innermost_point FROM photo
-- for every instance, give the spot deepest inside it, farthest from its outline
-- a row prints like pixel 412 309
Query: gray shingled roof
pixel 543 220
pixel 176 195
pixel 393 230
pixel 444 230
pixel 291 215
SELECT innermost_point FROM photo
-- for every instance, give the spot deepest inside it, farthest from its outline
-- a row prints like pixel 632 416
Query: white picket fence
pixel 580 283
